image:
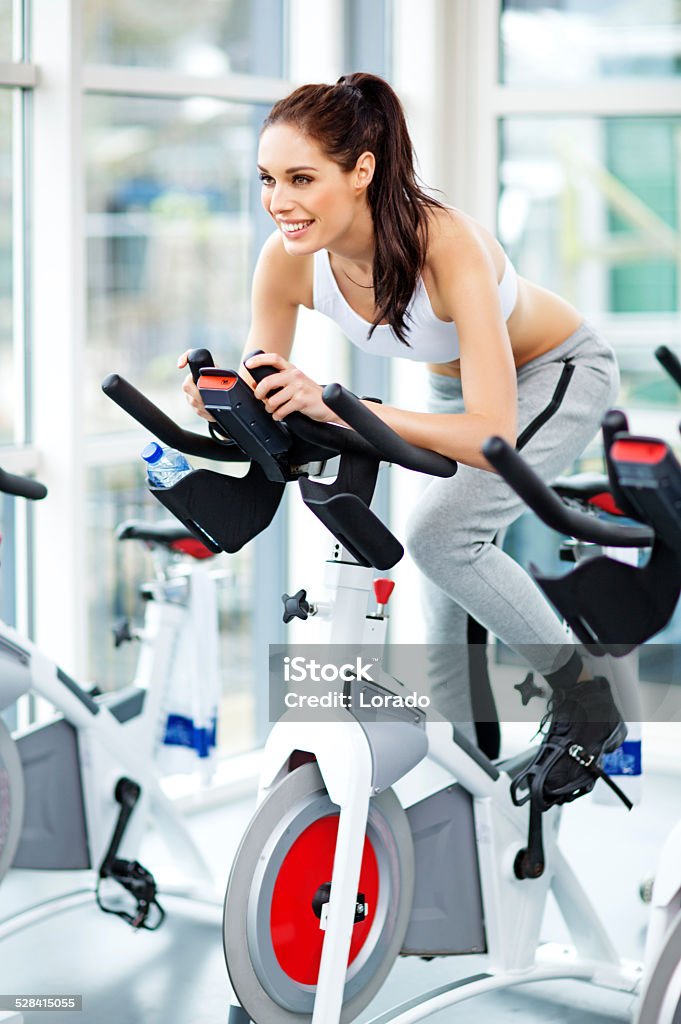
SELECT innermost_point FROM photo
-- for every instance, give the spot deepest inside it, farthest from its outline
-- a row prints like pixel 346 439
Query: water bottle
pixel 165 466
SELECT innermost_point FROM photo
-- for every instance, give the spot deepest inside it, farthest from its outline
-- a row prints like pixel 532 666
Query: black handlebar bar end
pixel 110 383
pixel 250 355
pixel 197 360
pixel 331 393
pixel 614 422
pixel 22 486
pixel 493 448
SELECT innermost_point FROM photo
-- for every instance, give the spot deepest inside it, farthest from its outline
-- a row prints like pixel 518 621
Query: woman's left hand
pixel 295 392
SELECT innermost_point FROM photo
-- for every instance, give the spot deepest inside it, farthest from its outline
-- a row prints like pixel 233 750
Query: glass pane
pixel 7 560
pixel 170 186
pixel 206 37
pixel 570 41
pixel 590 209
pixel 7 382
pixel 6 29
pixel 115 494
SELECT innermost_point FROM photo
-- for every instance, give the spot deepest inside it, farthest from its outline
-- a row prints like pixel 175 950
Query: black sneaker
pixel 584 725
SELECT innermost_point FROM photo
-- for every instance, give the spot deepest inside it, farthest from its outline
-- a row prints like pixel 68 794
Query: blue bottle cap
pixel 152 453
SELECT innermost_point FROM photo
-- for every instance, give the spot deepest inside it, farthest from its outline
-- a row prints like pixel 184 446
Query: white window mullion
pixel 23 75
pixel 134 81
pixel 624 98
pixel 19 241
pixel 58 330
pixel 482 140
pixel 315 40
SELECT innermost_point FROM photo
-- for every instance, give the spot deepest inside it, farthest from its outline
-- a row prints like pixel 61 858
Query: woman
pixel 403 275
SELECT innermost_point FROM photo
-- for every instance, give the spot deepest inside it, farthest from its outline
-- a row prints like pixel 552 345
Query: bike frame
pixel 513 909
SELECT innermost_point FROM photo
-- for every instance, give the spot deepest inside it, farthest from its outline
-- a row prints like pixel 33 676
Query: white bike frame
pixel 109 749
pixel 513 908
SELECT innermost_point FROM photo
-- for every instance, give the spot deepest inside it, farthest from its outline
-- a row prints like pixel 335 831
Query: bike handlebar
pixel 369 435
pixel 161 426
pixel 391 446
pixel 549 507
pixel 21 486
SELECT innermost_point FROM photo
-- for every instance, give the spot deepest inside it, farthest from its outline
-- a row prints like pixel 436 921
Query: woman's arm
pixel 278 289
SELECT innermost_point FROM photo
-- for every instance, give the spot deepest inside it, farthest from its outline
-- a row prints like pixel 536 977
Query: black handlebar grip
pixel 615 422
pixel 161 426
pixel 670 362
pixel 259 373
pixel 550 509
pixel 22 486
pixel 199 359
pixel 392 447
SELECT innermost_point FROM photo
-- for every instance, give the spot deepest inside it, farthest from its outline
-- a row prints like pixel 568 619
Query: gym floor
pixel 177 975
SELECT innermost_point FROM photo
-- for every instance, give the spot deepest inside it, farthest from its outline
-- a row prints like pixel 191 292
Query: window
pixel 207 37
pixel 172 230
pixel 8 383
pixel 7 556
pixel 567 42
pixel 589 208
pixel 17 79
pixel 171 186
pixel 7 25
pixel 586 110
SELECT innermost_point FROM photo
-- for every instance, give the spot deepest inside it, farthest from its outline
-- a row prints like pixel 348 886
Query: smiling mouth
pixel 295 227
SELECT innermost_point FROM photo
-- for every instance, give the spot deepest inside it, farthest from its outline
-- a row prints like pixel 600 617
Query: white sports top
pixel 430 340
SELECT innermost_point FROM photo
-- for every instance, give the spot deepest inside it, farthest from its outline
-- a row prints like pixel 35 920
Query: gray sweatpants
pixel 562 398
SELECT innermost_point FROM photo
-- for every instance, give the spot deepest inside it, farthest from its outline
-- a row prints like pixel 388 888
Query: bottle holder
pixel 224 512
pixel 343 508
pixel 643 599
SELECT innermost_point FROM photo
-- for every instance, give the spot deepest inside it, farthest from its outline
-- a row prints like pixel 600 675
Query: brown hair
pixel 362 112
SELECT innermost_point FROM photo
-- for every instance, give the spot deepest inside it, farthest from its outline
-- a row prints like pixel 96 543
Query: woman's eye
pixel 266 179
pixel 300 179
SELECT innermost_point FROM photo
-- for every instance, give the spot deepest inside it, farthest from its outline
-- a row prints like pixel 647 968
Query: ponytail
pixel 362 112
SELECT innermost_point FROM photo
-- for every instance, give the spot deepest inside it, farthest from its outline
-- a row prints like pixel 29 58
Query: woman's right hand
pixel 191 392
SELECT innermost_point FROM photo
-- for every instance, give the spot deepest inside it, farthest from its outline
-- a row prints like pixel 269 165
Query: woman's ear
pixel 364 170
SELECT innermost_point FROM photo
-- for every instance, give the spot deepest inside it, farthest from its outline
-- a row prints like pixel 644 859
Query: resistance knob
pixel 295 606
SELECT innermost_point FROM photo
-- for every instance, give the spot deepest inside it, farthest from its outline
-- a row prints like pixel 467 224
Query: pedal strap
pixel 529 862
pixel 589 762
pixel 134 878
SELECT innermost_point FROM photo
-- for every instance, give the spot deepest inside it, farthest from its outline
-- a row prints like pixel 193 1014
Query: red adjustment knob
pixel 383 589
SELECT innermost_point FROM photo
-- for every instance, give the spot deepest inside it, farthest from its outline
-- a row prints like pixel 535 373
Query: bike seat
pixel 169 534
pixel 588 489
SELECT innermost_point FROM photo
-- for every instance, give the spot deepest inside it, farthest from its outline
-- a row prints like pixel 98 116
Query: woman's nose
pixel 280 200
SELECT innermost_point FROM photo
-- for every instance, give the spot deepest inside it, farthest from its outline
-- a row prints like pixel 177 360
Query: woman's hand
pixel 295 392
pixel 191 392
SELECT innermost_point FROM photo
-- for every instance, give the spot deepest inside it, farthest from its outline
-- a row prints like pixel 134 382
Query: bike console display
pixel 650 473
pixel 239 413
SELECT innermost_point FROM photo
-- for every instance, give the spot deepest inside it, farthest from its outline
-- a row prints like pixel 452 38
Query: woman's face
pixel 311 199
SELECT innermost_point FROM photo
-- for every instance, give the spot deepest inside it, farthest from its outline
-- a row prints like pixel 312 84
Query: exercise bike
pixel 335 877
pixel 77 791
pixel 645 481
